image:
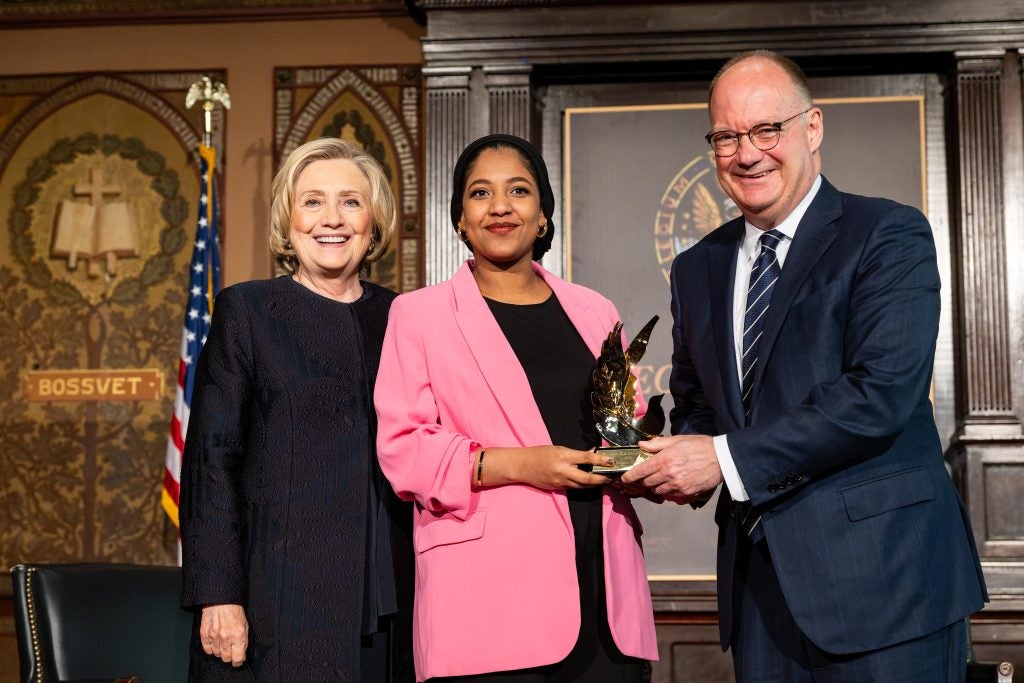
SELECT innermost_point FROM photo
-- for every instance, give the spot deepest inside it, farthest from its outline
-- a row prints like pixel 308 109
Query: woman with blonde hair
pixel 296 552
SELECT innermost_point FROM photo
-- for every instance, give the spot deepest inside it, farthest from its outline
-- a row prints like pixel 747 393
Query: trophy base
pixel 625 457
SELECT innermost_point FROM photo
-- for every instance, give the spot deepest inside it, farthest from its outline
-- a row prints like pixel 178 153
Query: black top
pixel 558 365
pixel 283 509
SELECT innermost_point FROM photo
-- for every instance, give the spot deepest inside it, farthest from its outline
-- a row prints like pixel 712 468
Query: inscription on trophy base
pixel 626 458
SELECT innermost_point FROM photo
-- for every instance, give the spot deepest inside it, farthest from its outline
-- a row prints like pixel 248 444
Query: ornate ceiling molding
pixel 571 31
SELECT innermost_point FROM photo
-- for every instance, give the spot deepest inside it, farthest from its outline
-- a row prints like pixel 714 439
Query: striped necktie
pixel 763 277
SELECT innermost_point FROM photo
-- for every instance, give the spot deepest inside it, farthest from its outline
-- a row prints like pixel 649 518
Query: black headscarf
pixel 536 164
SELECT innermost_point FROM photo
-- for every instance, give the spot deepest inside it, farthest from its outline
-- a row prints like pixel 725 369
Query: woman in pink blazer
pixel 528 568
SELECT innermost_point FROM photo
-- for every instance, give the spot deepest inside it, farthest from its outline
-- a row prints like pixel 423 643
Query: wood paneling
pixel 975 200
pixel 509 98
pixel 984 332
pixel 448 132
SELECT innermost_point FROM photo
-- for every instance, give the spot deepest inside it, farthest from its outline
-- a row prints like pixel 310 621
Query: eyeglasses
pixel 764 136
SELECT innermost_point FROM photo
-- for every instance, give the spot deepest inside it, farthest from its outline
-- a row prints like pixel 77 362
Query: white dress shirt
pixel 748 253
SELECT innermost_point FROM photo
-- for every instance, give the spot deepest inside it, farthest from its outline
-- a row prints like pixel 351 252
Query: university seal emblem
pixel 692 205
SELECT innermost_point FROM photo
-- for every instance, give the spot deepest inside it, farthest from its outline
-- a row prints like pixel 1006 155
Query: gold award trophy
pixel 613 396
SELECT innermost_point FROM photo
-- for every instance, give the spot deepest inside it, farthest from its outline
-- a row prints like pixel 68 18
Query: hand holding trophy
pixel 613 396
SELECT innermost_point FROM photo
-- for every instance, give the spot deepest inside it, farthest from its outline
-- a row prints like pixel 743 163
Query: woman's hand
pixel 224 632
pixel 547 467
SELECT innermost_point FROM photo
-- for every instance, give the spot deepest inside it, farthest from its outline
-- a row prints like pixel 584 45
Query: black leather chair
pixel 100 622
pixel 989 673
pixel 985 672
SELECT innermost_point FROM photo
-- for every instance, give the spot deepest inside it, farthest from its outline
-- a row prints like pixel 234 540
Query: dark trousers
pixel 768 646
pixel 373 658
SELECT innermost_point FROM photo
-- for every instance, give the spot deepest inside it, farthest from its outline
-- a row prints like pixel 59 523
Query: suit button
pixel 772 488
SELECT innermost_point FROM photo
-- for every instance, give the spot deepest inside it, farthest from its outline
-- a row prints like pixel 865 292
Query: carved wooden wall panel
pixel 82 477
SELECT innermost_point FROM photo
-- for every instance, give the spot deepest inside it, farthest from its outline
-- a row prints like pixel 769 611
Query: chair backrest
pixel 100 622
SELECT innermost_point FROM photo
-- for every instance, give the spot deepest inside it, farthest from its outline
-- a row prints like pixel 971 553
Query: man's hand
pixel 684 468
pixel 224 632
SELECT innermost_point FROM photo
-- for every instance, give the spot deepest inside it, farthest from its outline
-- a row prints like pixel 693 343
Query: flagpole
pixel 209 93
pixel 204 284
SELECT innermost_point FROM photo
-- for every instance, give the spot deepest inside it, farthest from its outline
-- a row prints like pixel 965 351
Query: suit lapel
pixel 499 367
pixel 722 281
pixel 814 234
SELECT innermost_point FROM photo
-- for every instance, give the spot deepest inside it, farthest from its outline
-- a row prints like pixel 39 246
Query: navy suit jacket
pixel 841 455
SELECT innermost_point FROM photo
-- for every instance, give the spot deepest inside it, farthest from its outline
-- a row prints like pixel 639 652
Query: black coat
pixel 276 481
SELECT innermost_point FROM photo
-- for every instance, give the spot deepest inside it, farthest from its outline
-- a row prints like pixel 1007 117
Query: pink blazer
pixel 496 585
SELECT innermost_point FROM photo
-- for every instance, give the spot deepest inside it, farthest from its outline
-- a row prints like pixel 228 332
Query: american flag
pixel 204 283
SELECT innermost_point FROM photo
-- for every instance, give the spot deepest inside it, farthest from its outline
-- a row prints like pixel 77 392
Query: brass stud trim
pixel 30 604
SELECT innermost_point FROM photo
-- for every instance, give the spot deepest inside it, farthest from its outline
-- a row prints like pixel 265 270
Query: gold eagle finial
pixel 210 93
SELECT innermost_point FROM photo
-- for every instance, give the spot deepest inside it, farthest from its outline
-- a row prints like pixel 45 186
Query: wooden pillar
pixel 988 451
pixel 465 102
pixel 509 99
pixel 448 130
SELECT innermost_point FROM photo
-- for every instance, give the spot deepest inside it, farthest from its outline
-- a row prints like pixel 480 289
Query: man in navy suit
pixel 804 335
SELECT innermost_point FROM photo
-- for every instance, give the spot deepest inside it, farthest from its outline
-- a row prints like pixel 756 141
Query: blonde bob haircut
pixel 382 203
